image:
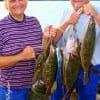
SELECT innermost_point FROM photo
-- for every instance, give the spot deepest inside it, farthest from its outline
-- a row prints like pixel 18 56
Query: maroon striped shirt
pixel 14 36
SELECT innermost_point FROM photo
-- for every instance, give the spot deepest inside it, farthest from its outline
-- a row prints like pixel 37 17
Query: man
pixel 20 37
pixel 78 15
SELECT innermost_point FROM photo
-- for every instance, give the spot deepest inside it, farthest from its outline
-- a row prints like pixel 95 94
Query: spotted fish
pixel 38 88
pixel 50 70
pixel 87 48
pixel 71 66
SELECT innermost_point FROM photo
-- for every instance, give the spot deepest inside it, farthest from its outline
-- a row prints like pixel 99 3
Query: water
pixel 48 12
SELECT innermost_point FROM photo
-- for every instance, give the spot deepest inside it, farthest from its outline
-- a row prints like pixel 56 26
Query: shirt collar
pixel 14 20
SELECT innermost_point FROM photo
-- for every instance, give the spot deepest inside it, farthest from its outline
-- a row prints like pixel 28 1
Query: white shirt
pixel 81 27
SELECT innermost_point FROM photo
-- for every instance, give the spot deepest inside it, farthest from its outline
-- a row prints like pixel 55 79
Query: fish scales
pixel 87 48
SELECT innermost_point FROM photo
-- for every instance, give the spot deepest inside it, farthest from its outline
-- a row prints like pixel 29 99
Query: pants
pixel 58 93
pixel 85 92
pixel 88 91
pixel 14 94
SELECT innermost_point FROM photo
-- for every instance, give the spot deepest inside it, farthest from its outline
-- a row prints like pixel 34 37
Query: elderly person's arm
pixel 26 54
pixel 73 19
pixel 56 32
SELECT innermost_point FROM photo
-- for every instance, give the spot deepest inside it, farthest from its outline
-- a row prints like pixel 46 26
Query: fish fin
pixel 50 89
pixel 54 87
pixel 85 81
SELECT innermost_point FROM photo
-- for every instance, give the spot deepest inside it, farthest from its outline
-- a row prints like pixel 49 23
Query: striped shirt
pixel 14 37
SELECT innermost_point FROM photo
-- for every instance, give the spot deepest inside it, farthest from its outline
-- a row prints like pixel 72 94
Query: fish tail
pixel 67 95
pixel 64 97
pixel 48 92
pixel 47 98
pixel 85 81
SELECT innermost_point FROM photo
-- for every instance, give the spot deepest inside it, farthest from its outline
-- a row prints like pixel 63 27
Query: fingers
pixel 47 29
pixel 50 31
pixel 88 9
pixel 80 11
pixel 30 50
pixel 33 53
pixel 73 19
pixel 46 33
pixel 28 53
pixel 53 32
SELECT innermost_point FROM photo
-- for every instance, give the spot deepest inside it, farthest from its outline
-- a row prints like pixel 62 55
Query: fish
pixel 40 62
pixel 49 71
pixel 87 48
pixel 38 91
pixel 38 88
pixel 71 65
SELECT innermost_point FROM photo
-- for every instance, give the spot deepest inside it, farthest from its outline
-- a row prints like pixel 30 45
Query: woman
pixel 20 39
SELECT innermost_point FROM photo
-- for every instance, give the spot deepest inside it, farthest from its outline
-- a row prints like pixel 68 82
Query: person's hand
pixel 53 32
pixel 50 32
pixel 73 19
pixel 28 53
pixel 46 33
pixel 89 10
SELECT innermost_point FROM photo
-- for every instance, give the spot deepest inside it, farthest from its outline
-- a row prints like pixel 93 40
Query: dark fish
pixel 38 88
pixel 37 92
pixel 50 70
pixel 71 66
pixel 87 48
pixel 40 61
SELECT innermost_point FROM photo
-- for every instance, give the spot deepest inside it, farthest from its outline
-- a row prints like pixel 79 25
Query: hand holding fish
pixel 50 31
pixel 74 17
pixel 89 10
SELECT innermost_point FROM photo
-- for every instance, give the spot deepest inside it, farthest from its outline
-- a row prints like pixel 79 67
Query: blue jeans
pixel 85 92
pixel 14 94
pixel 60 90
pixel 88 91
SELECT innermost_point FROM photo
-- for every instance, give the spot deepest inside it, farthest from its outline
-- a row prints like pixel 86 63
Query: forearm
pixel 6 61
pixel 60 30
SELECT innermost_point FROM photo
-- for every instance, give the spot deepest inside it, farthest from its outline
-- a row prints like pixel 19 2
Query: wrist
pixel 63 27
pixel 19 57
pixel 68 22
pixel 61 30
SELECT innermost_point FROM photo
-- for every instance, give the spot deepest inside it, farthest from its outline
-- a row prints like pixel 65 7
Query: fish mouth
pixel 73 55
